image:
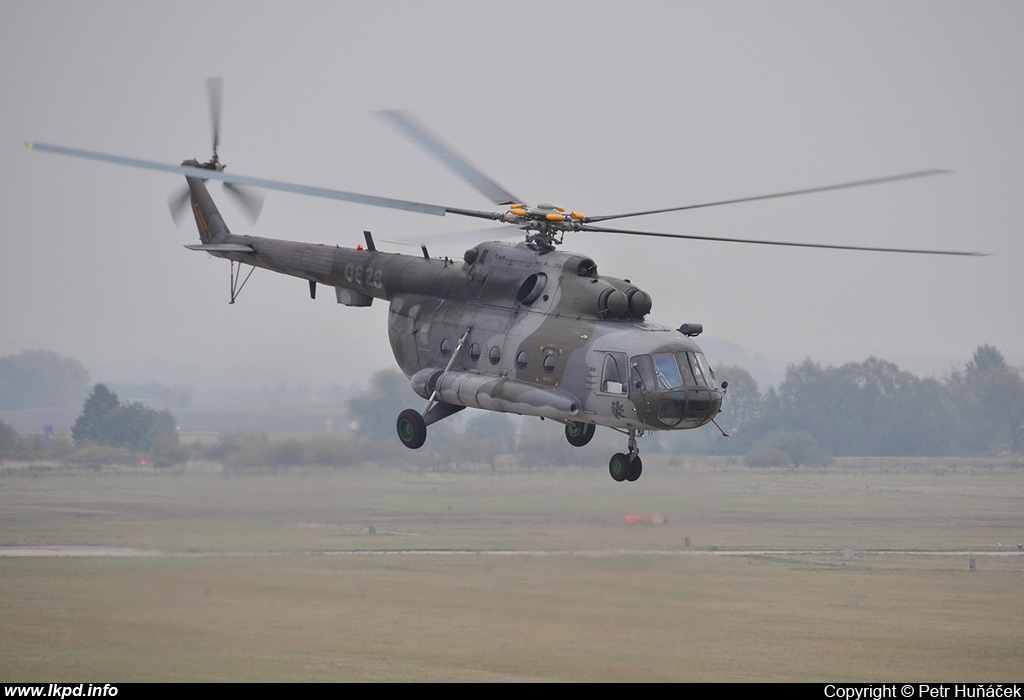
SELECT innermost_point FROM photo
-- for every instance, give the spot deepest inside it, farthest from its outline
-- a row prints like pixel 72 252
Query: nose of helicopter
pixel 686 407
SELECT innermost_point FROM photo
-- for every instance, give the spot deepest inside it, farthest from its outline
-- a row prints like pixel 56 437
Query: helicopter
pixel 523 328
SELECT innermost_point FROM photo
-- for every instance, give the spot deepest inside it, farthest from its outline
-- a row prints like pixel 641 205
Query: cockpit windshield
pixel 674 370
pixel 667 371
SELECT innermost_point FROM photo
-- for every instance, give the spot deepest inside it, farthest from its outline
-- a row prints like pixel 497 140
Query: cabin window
pixel 474 352
pixel 522 359
pixel 550 360
pixel 495 355
pixel 613 376
pixel 446 347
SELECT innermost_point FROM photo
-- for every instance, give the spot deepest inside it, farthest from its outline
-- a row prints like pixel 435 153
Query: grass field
pixel 858 572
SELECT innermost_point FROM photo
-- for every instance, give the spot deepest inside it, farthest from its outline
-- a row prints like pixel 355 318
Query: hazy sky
pixel 601 107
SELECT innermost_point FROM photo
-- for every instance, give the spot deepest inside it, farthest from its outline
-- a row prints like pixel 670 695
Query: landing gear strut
pixel 627 467
pixel 411 424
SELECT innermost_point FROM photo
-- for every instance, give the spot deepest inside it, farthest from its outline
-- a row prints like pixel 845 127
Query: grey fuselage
pixel 544 333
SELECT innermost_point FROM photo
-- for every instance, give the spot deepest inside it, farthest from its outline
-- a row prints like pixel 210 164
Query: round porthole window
pixel 494 355
pixel 549 362
pixel 522 359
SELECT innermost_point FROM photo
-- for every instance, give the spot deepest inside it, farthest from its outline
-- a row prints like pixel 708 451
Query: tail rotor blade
pixel 177 203
pixel 250 200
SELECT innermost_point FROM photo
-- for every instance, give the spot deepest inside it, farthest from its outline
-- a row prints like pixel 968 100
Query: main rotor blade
pixel 498 233
pixel 776 195
pixel 214 88
pixel 447 155
pixel 720 239
pixel 205 174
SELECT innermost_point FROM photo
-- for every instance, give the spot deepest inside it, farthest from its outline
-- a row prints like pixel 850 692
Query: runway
pixel 36 551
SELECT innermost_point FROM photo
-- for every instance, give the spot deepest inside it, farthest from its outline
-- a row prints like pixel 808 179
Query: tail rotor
pixel 250 199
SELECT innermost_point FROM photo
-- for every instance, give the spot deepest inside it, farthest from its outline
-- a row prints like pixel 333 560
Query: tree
pixel 105 421
pixel 742 407
pixel 39 379
pixel 91 423
pixel 8 440
pixel 986 358
pixel 136 427
pixel 862 408
pixel 990 396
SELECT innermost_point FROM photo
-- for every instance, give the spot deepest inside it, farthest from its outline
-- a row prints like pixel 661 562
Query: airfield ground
pixel 861 571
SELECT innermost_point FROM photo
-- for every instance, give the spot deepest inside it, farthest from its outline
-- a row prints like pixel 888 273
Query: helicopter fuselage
pixel 542 333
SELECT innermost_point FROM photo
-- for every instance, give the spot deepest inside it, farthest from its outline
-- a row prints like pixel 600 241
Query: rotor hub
pixel 544 223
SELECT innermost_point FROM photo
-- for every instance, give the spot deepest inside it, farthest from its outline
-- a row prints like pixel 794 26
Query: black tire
pixel 412 429
pixel 636 468
pixel 579 434
pixel 618 466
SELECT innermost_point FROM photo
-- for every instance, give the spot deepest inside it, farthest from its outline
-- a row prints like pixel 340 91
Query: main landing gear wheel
pixel 412 429
pixel 579 434
pixel 623 468
pixel 636 468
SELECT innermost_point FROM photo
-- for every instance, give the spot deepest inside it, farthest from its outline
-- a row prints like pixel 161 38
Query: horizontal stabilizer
pixel 222 247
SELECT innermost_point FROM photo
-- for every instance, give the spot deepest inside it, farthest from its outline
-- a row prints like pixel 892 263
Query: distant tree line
pixel 873 408
pixel 106 432
pixel 869 408
pixel 41 379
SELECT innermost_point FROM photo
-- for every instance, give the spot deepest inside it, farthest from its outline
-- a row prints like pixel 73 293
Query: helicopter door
pixel 610 399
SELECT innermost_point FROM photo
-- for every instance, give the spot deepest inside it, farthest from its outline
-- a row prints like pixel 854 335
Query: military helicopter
pixel 521 328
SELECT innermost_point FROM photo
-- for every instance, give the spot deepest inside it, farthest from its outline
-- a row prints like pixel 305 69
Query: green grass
pixel 519 576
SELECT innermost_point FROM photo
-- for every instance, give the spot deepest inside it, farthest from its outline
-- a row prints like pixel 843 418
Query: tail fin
pixel 210 223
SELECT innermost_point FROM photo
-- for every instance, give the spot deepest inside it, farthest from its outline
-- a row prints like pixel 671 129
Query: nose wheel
pixel 627 467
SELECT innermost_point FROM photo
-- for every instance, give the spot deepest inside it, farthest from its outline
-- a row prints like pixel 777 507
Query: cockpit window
pixel 701 370
pixel 672 371
pixel 667 371
pixel 691 373
pixel 642 373
pixel 698 369
pixel 708 372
